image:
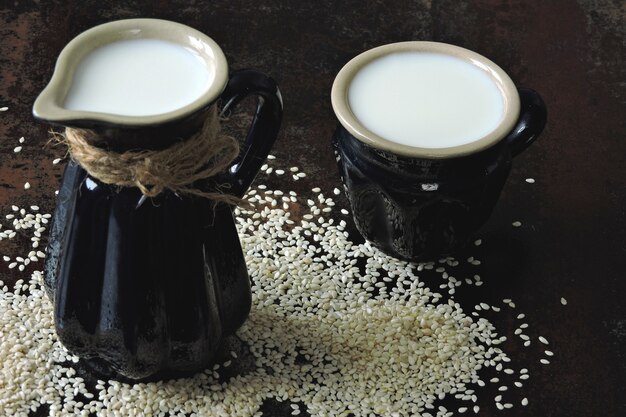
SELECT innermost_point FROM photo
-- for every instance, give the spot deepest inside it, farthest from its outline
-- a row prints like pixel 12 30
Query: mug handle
pixel 532 120
pixel 263 129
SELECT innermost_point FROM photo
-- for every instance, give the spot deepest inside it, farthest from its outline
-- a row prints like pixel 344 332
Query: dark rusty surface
pixel 573 240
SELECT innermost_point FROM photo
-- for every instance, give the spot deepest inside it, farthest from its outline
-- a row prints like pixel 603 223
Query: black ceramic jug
pixel 147 288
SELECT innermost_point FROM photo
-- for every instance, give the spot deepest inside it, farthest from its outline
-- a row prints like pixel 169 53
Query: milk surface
pixel 426 100
pixel 138 77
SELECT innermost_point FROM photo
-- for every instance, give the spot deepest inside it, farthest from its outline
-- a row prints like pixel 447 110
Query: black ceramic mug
pixel 416 201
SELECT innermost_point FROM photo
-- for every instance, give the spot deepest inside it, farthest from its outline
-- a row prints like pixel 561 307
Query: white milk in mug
pixel 426 99
pixel 138 77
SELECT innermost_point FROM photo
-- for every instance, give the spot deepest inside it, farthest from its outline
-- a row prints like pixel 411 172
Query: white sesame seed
pixel 544 361
pixel 530 180
pixel 271 157
pixel 4 108
pixel 563 301
pixel 516 224
pixel 17 149
pixel 26 185
pixel 524 401
pixel 549 353
pixel 21 140
pixel 543 340
pixel 280 172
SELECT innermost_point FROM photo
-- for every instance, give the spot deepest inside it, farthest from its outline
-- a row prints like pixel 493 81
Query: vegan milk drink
pixel 138 77
pixel 426 100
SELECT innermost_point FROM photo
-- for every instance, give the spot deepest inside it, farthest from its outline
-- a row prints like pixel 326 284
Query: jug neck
pixel 121 138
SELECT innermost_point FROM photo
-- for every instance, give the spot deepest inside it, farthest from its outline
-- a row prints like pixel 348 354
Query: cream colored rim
pixel 49 104
pixel 339 98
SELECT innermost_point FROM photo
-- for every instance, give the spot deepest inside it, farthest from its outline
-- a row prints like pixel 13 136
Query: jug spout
pixel 137 83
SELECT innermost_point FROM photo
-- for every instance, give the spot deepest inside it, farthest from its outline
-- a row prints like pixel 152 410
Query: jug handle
pixel 532 120
pixel 263 129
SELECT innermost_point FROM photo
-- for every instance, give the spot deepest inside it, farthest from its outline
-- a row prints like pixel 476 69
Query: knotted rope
pixel 176 168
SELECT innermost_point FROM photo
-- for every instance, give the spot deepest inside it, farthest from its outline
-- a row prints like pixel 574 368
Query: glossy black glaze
pixel 418 208
pixel 120 138
pixel 147 292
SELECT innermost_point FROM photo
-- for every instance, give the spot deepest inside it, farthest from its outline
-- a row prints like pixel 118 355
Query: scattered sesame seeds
pixel 310 301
